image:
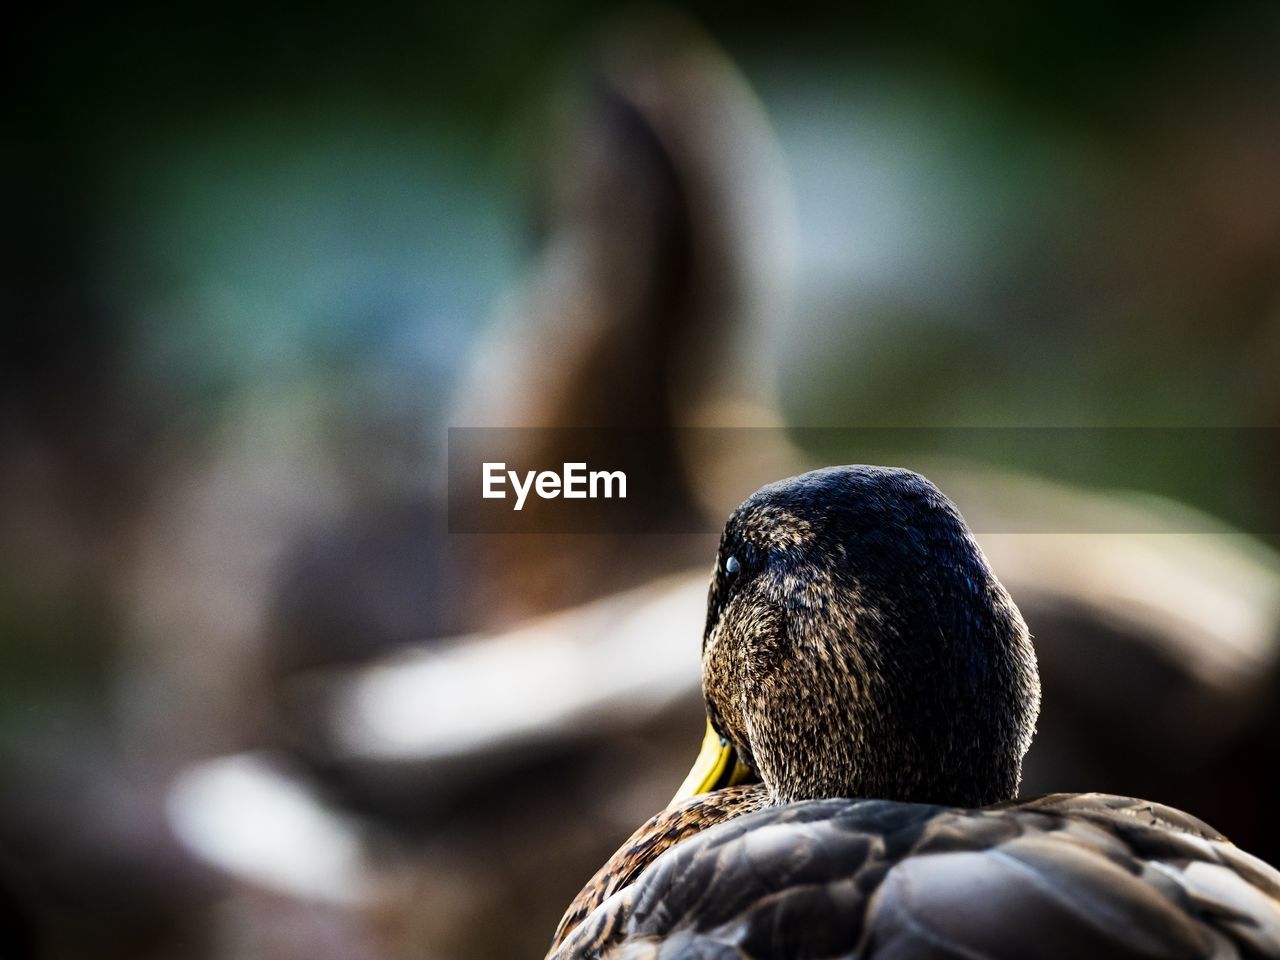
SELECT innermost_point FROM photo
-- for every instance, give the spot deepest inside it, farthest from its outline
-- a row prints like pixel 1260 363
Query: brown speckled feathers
pixel 1068 876
pixel 660 832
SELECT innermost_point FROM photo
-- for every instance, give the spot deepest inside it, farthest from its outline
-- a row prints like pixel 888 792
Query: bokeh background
pixel 258 702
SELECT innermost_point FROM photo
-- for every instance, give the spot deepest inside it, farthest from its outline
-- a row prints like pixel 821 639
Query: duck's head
pixel 858 645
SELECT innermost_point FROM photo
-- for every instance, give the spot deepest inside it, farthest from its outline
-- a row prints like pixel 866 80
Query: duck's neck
pixel 933 756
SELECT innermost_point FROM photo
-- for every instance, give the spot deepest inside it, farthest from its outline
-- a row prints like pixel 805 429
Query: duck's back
pixel 1063 876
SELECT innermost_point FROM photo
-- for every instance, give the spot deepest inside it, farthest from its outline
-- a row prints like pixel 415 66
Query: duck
pixel 871 690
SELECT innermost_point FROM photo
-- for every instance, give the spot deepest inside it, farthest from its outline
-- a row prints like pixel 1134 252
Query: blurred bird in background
pixel 250 670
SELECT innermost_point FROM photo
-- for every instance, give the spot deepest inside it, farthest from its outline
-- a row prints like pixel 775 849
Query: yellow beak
pixel 717 766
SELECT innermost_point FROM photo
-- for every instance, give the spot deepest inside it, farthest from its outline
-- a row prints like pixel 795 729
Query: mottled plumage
pixel 678 822
pixel 858 645
pixel 1065 876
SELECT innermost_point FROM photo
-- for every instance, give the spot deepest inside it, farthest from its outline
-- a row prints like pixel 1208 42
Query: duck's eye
pixel 731 566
